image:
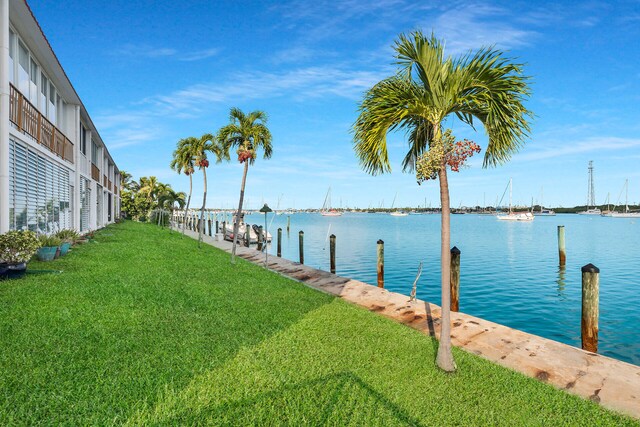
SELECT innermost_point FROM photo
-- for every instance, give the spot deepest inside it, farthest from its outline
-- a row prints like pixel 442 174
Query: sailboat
pixel 514 216
pixel 626 213
pixel 544 211
pixel 326 207
pixel 397 212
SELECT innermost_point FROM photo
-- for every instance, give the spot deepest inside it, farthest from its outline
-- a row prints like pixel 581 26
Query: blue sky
pixel 152 72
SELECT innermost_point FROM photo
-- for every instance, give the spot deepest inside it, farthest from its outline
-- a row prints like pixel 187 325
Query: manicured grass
pixel 144 328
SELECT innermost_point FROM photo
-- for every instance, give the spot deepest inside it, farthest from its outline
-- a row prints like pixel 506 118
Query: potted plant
pixel 16 249
pixel 49 247
pixel 68 237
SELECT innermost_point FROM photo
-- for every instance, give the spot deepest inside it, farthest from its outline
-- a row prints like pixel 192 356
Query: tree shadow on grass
pixel 338 399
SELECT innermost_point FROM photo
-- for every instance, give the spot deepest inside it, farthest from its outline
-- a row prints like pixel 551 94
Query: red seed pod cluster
pixel 244 156
pixel 204 163
pixel 460 152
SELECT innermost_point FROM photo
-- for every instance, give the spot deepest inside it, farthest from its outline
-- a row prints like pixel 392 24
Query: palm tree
pixel 247 132
pixel 207 143
pixel 182 161
pixel 168 200
pixel 125 180
pixel 428 88
pixel 149 187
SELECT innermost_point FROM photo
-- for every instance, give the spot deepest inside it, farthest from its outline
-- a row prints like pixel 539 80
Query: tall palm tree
pixel 182 162
pixel 429 87
pixel 207 144
pixel 249 133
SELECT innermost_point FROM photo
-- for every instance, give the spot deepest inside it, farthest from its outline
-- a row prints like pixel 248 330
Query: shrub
pixel 67 235
pixel 18 246
pixel 49 241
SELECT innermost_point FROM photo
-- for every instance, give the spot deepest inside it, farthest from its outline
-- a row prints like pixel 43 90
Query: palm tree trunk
pixel 204 202
pixel 236 224
pixel 186 209
pixel 444 359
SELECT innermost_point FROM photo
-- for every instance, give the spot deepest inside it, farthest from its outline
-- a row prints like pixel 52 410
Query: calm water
pixel 509 271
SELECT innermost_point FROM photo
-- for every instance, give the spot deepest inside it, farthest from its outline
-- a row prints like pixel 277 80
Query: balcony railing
pixel 95 173
pixel 104 181
pixel 110 186
pixel 29 120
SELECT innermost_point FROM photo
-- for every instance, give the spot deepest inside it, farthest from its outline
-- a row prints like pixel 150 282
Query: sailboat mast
pixel 510 190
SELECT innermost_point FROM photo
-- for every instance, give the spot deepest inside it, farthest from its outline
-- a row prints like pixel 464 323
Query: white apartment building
pixel 55 170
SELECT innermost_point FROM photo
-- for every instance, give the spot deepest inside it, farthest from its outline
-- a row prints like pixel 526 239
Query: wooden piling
pixel 224 229
pixel 332 253
pixel 562 254
pixel 301 246
pixel 454 281
pixel 590 310
pixel 380 263
pixel 279 242
pixel 288 222
pixel 260 240
pixel 209 221
pixel 247 235
pixel 217 227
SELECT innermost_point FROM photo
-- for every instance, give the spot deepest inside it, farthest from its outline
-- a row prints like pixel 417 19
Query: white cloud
pixel 554 149
pixel 473 26
pixel 151 52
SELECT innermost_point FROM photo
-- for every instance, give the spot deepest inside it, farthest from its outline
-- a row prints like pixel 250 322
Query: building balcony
pixel 26 117
pixel 95 173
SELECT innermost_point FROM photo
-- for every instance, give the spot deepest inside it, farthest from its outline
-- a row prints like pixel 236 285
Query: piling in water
pixel 562 254
pixel 247 235
pixel 288 222
pixel 380 264
pixel 210 232
pixel 301 246
pixel 590 311
pixel 217 227
pixel 260 238
pixel 454 282
pixel 332 253
pixel 279 242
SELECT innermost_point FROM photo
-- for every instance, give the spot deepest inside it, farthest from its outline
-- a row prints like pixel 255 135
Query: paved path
pixel 609 382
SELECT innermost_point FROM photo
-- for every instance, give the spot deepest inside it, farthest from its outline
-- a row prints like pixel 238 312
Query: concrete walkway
pixel 609 382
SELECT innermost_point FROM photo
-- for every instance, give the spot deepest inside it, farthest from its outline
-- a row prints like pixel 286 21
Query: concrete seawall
pixel 611 383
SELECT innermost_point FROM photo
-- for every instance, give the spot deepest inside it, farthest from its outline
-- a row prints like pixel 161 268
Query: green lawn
pixel 144 328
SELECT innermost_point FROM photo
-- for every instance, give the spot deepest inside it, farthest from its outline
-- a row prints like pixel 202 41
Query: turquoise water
pixel 509 271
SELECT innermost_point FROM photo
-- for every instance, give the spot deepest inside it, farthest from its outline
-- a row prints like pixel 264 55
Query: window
pixel 94 153
pixel 39 198
pixel 33 83
pixel 44 87
pixel 23 69
pixel 51 112
pixel 85 197
pixel 83 140
pixel 12 55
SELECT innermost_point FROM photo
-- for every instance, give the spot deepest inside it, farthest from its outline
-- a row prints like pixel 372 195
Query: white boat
pixel 545 212
pixel 242 231
pixel 397 212
pixel 591 211
pixel 514 216
pixel 627 213
pixel 326 207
